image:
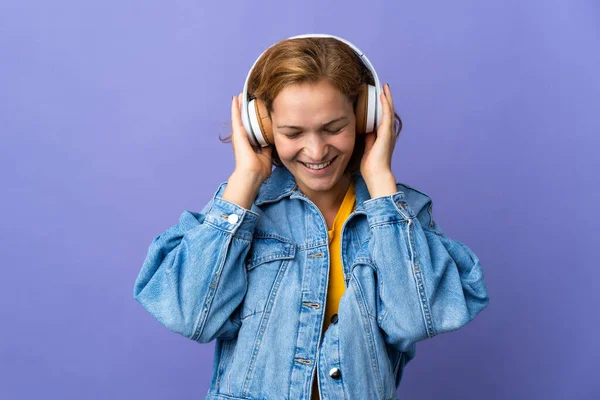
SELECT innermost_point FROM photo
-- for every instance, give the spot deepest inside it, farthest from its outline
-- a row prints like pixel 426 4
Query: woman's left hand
pixel 376 163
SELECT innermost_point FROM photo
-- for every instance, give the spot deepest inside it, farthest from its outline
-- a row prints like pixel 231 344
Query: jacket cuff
pixel 386 209
pixel 232 218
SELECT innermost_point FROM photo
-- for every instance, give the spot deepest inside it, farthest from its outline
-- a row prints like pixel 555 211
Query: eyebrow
pixel 324 125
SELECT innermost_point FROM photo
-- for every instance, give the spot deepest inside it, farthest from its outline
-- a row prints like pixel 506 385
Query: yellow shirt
pixel 336 286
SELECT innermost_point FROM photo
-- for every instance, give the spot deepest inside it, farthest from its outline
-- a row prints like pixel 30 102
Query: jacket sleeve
pixel 428 283
pixel 193 277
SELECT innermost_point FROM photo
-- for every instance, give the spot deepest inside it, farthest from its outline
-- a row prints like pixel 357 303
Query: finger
pixel 392 110
pixel 387 117
pixel 385 132
pixel 234 130
pixel 239 136
pixel 389 103
pixel 388 95
pixel 236 115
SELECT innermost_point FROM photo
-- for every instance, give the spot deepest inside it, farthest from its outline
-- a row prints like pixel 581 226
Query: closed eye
pixel 330 131
pixel 336 130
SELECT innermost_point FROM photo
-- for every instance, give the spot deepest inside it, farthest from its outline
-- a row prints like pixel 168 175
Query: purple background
pixel 110 114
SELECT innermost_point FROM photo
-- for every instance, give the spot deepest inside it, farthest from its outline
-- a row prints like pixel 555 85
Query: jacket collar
pixel 282 184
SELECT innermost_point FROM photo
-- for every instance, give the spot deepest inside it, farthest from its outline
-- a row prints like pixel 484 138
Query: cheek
pixel 284 150
pixel 346 142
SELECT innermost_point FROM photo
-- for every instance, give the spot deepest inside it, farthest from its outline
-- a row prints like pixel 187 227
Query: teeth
pixel 317 166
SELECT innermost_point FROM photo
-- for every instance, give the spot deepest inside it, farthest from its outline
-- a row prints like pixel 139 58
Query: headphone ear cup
pixel 266 126
pixel 260 122
pixel 361 109
pixel 366 108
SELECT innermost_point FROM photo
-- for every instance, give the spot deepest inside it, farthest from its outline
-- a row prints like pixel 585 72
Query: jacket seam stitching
pixel 367 327
pixel 420 286
pixel 212 289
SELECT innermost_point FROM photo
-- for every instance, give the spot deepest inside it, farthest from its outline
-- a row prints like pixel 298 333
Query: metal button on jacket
pixel 334 318
pixel 233 218
pixel 335 373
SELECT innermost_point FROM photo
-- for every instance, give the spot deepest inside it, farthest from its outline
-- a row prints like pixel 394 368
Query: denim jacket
pixel 256 281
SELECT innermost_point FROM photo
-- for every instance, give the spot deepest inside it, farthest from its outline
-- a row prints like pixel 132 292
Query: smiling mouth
pixel 317 167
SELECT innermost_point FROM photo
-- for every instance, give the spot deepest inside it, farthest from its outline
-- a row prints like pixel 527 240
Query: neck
pixel 330 201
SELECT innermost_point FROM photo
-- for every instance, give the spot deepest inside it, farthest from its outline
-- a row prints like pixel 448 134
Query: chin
pixel 319 184
pixel 313 182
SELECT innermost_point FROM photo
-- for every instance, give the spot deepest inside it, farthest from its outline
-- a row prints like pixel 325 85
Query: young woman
pixel 317 277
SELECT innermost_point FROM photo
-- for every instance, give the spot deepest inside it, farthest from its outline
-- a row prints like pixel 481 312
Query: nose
pixel 315 147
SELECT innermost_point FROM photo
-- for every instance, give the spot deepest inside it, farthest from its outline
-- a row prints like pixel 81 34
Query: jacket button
pixel 334 318
pixel 335 373
pixel 233 218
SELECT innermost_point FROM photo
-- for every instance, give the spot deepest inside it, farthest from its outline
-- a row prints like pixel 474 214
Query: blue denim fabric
pixel 257 283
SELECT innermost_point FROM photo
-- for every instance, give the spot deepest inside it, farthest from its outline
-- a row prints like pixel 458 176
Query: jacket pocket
pixel 266 257
pixel 266 248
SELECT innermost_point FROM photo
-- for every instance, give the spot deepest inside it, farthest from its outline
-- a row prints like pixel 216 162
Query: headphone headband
pixel 361 55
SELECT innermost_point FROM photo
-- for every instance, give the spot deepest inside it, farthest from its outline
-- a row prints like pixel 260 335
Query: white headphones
pixel 257 123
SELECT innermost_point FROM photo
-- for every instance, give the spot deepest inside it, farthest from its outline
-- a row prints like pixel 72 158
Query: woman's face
pixel 314 133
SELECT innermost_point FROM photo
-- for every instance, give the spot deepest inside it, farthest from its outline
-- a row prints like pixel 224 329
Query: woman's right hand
pixel 247 160
pixel 252 168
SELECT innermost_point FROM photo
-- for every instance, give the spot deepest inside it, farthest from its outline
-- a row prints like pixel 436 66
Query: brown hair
pixel 310 60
